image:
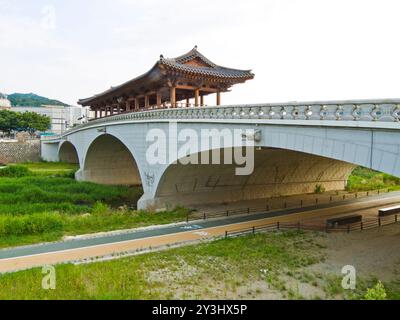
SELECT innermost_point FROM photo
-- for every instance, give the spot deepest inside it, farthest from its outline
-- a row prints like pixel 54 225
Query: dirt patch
pixel 374 253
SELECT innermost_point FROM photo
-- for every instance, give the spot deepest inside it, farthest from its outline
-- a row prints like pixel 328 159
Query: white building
pixel 4 102
pixel 62 118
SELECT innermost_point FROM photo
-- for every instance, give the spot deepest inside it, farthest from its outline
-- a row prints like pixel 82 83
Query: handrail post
pixel 254 230
pixel 301 203
pixel 227 213
pixel 298 226
pixel 362 225
pixel 395 218
pixel 226 234
pixel 278 225
pixel 379 221
pixel 348 228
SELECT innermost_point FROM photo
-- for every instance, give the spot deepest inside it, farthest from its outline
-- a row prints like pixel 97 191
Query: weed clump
pixel 15 172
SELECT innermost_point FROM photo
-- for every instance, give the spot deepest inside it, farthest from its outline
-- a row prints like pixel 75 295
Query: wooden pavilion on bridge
pixel 171 83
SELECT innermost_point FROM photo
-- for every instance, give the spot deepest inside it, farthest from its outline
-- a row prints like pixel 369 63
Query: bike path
pixel 167 230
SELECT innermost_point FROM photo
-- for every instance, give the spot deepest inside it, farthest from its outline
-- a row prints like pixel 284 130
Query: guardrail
pixel 286 204
pixel 359 226
pixel 385 110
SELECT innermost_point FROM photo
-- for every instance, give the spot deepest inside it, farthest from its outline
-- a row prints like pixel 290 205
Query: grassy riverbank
pixel 283 265
pixel 363 179
pixel 42 202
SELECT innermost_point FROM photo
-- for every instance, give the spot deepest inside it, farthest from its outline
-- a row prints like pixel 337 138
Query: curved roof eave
pixel 113 90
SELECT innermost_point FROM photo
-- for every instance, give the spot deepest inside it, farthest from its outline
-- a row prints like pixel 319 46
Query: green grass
pixel 209 270
pixel 33 195
pixel 363 179
pixel 51 168
pixel 223 269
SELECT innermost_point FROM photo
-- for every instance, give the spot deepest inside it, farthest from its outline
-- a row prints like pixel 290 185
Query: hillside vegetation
pixel 32 100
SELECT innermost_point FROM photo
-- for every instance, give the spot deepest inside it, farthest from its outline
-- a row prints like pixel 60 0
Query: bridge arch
pixel 277 172
pixel 109 161
pixel 68 153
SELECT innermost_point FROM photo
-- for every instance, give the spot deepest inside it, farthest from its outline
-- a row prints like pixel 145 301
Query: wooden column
pixel 173 97
pixel 196 97
pixel 119 109
pixel 202 100
pixel 128 106
pixel 147 101
pixel 137 104
pixel 187 103
pixel 218 98
pixel 159 100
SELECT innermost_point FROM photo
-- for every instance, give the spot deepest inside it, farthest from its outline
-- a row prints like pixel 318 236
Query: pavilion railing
pixel 360 110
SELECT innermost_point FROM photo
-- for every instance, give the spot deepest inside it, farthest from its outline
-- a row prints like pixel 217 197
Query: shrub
pixel 100 208
pixel 30 224
pixel 376 293
pixel 319 189
pixel 15 172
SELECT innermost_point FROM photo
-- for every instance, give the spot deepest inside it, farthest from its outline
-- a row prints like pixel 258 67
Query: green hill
pixel 32 100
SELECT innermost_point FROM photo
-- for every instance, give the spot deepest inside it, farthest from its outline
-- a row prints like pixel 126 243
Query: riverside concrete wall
pixel 18 152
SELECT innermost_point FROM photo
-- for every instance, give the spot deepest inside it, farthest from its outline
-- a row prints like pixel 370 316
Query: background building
pixel 62 118
pixel 4 102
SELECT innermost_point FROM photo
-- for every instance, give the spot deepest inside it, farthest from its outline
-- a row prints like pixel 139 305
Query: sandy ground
pixel 374 252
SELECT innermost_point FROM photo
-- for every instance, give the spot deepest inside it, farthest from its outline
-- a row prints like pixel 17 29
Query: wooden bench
pixel 389 211
pixel 344 220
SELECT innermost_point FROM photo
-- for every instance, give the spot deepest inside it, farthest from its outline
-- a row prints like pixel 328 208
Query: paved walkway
pixel 78 249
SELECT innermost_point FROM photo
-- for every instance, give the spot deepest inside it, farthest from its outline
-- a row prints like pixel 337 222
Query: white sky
pixel 299 50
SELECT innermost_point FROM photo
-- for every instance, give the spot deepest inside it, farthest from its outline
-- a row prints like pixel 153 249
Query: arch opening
pixel 277 172
pixel 68 153
pixel 108 161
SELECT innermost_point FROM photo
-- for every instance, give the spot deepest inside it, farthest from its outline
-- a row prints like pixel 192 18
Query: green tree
pixel 9 121
pixel 33 122
pixel 23 122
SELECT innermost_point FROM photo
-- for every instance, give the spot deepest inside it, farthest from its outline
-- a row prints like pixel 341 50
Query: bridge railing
pixel 283 204
pixel 358 110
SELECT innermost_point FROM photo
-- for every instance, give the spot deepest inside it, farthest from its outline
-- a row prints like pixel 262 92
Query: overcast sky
pixel 299 50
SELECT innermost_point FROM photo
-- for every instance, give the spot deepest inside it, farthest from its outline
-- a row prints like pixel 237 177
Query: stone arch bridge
pixel 296 147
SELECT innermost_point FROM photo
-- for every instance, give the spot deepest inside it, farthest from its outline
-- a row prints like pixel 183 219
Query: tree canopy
pixel 23 122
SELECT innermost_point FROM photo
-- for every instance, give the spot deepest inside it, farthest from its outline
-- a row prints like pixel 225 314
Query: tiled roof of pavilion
pixel 208 69
pixel 192 63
